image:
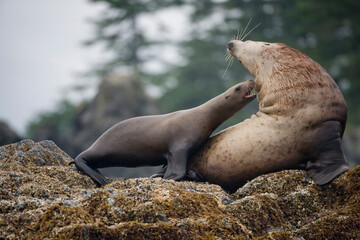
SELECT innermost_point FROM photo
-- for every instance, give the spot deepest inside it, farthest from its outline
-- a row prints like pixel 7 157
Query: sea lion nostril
pixel 230 45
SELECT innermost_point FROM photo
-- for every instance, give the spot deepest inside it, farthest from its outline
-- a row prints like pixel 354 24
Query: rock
pixel 118 98
pixel 7 135
pixel 43 197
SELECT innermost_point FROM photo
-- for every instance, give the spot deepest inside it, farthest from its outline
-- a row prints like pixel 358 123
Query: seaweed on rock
pixel 42 197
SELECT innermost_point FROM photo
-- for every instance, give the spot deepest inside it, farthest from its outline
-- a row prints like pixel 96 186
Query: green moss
pixel 258 212
pixel 188 204
pixel 280 183
pixel 277 235
pixel 58 216
pixel 340 218
pixel 282 205
pixel 332 227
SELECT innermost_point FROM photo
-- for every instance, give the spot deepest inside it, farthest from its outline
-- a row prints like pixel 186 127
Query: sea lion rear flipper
pixel 94 174
pixel 330 162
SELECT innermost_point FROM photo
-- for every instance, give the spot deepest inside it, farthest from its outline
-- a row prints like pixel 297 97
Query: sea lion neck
pixel 219 109
pixel 215 106
pixel 261 96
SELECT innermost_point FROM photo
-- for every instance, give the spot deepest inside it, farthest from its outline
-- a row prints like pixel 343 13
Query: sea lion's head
pixel 285 78
pixel 240 94
pixel 259 58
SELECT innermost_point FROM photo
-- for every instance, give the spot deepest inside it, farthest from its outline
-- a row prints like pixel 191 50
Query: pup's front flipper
pixel 176 164
pixel 161 173
pixel 330 161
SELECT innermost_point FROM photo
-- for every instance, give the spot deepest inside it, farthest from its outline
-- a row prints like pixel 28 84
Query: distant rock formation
pixel 42 197
pixel 7 135
pixel 118 98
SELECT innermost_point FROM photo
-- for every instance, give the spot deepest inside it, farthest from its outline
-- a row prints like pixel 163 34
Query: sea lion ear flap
pixel 330 162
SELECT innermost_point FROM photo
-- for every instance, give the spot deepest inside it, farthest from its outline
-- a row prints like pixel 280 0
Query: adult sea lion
pixel 300 122
pixel 162 139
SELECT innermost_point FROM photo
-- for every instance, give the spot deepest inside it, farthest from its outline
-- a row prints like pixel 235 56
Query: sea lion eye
pixel 238 89
pixel 267 44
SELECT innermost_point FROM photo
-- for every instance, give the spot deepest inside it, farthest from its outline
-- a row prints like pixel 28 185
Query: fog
pixel 41 54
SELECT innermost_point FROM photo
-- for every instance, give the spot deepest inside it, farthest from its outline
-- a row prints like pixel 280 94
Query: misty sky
pixel 41 54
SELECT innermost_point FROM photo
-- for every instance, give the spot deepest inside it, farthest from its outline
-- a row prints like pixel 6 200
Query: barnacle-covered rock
pixel 43 197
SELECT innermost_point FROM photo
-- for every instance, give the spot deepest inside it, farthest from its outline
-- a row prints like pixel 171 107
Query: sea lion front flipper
pixel 176 164
pixel 189 176
pixel 161 173
pixel 330 161
pixel 94 174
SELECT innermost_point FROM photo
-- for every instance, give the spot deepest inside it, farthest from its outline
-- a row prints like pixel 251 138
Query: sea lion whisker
pixel 228 57
pixel 238 34
pixel 243 32
pixel 231 61
pixel 250 31
pixel 229 65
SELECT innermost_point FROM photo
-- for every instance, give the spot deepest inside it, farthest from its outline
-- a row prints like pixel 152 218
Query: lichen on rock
pixel 43 197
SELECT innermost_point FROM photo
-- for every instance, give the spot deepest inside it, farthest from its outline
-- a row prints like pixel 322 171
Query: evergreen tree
pixel 326 31
pixel 329 33
pixel 118 29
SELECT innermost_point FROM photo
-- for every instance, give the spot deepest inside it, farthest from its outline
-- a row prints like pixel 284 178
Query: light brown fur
pixel 298 102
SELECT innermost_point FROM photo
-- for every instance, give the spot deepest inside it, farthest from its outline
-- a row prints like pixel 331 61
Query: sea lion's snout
pixel 230 46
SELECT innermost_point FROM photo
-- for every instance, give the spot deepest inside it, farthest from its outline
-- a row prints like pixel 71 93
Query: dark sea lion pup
pixel 162 139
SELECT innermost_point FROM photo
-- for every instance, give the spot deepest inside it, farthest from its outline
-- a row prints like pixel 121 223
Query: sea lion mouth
pixel 249 94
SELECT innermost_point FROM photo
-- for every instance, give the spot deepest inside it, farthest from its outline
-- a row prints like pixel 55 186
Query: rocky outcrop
pixel 42 197
pixel 7 135
pixel 118 98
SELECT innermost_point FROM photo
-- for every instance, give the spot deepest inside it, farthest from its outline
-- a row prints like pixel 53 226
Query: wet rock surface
pixel 42 197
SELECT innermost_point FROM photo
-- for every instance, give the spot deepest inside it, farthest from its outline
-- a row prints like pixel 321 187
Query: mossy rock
pixel 44 198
